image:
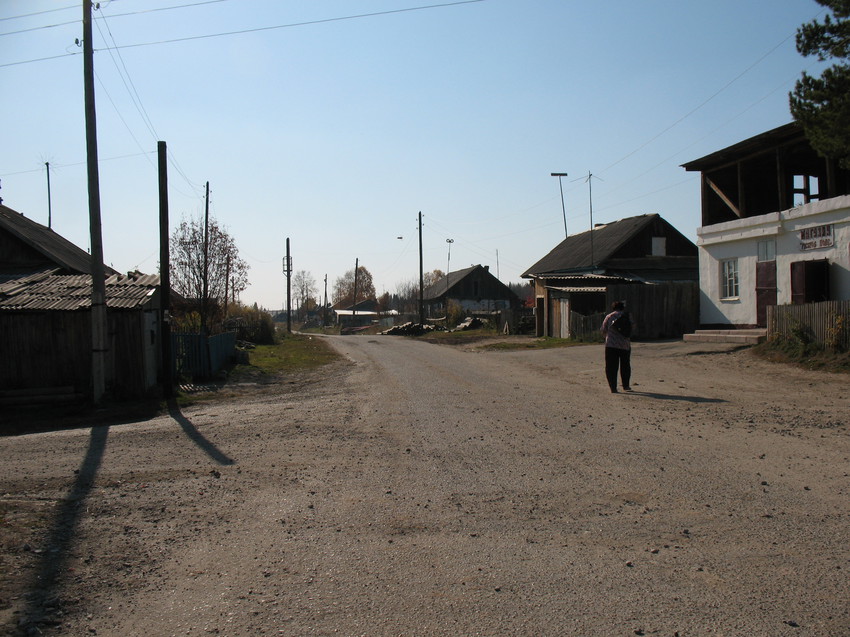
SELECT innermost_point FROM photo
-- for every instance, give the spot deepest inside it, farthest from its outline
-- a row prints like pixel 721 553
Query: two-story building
pixel 775 228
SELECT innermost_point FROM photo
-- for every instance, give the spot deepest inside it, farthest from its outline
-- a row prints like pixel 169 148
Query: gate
pixel 197 356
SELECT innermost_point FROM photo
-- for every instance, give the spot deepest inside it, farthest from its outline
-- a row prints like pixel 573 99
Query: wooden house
pixel 642 260
pixel 45 319
pixel 775 228
pixel 475 290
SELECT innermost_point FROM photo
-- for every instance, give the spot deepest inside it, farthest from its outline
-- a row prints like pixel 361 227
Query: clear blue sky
pixel 337 132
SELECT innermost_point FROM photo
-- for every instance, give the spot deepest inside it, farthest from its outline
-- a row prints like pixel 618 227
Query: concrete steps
pixel 741 337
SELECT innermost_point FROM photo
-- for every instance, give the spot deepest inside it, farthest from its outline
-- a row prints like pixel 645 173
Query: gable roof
pixel 42 239
pixel 574 252
pixel 452 279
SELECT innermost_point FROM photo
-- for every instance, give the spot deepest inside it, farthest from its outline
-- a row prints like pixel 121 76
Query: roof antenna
pixel 589 178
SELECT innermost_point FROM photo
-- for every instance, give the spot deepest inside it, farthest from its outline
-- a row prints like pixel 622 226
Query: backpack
pixel 622 325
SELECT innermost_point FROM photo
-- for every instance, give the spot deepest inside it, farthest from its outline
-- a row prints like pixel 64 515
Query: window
pixel 730 278
pixel 659 246
pixel 806 189
pixel 767 250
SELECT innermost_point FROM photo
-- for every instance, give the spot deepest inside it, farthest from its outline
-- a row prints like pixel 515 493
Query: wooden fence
pixel 827 322
pixel 199 357
pixel 586 328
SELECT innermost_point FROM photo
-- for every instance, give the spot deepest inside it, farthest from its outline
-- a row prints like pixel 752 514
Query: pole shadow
pixel 197 437
pixel 44 597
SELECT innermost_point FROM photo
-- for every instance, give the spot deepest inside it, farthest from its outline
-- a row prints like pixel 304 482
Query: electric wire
pixel 300 24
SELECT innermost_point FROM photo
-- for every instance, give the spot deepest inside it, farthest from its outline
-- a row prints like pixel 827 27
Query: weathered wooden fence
pixel 197 356
pixel 827 322
pixel 586 328
pixel 659 311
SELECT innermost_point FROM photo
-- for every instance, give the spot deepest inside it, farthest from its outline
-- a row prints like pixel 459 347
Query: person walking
pixel 617 330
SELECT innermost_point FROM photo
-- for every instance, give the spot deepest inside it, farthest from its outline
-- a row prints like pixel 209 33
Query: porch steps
pixel 740 337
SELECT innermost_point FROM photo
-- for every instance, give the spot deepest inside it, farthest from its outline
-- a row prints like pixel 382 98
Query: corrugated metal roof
pixel 49 291
pixel 575 289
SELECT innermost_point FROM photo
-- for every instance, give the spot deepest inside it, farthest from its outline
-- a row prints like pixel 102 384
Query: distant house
pixel 475 290
pixel 643 260
pixel 775 228
pixel 45 319
pixel 363 314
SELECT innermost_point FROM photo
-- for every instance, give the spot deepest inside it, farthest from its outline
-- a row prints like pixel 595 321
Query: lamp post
pixel 563 209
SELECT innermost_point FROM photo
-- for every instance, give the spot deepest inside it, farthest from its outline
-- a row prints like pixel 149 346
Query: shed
pixel 45 318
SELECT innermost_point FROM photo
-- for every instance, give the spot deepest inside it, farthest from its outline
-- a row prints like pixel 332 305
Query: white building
pixel 775 228
pixel 800 255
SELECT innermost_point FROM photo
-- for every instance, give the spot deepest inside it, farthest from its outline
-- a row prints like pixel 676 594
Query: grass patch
pixel 295 352
pixel 813 356
pixel 545 342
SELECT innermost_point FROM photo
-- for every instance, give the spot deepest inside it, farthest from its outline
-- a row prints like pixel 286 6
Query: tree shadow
pixel 687 399
pixel 197 437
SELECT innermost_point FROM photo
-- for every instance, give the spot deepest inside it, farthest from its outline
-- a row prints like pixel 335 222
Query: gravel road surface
pixel 420 489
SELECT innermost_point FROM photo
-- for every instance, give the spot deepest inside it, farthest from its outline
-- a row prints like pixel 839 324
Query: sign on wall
pixel 817 237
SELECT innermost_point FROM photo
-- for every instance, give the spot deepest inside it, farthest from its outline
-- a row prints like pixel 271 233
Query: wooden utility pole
pixel 164 276
pixel 205 283
pixel 49 205
pixel 98 289
pixel 354 300
pixel 287 270
pixel 325 306
pixel 421 277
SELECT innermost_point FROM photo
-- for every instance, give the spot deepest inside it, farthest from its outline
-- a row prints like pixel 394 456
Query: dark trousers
pixel 618 358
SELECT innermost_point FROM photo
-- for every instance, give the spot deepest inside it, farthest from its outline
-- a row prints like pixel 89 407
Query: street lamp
pixel 563 209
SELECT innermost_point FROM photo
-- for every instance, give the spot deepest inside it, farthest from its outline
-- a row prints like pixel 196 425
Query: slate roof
pixel 574 252
pixel 54 247
pixel 436 290
pixel 50 290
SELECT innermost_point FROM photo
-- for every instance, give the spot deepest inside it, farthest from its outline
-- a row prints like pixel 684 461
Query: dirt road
pixel 417 489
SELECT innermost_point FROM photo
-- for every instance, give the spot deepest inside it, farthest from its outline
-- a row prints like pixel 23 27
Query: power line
pixel 259 29
pixel 300 24
pixel 30 15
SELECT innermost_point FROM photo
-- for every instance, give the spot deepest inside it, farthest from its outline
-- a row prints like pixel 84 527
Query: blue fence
pixel 197 356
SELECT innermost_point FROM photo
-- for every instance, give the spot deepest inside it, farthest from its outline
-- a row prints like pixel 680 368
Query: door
pixel 809 281
pixel 765 289
pixel 564 332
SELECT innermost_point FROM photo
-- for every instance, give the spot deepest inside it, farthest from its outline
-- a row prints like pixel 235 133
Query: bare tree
pixel 305 289
pixel 212 266
pixel 344 287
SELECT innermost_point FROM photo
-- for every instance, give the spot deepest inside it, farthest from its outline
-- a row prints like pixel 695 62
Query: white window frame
pixel 729 279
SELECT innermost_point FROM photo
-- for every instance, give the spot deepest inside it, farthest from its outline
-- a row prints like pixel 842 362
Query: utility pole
pixel 205 283
pixel 98 288
pixel 448 269
pixel 325 306
pixel 287 270
pixel 354 302
pixel 421 277
pixel 49 205
pixel 164 275
pixel 227 283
